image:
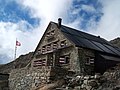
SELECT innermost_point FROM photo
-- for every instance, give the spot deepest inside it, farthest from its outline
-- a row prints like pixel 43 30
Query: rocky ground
pixel 110 80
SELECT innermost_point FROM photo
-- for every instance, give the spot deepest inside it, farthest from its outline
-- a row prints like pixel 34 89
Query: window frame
pixel 89 60
pixel 66 59
pixel 63 43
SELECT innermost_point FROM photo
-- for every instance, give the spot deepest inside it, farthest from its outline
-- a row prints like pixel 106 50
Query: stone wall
pixel 27 79
pixel 30 79
pixel 85 65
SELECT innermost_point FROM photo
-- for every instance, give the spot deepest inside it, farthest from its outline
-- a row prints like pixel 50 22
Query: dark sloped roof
pixel 85 40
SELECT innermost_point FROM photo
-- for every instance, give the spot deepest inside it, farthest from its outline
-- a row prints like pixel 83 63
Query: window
pixel 50 59
pixel 43 49
pixel 52 32
pixel 63 43
pixel 48 34
pixel 64 59
pixel 67 59
pixel 38 52
pixel 89 61
pixel 48 47
pixel 40 62
pixel 50 62
pixel 55 45
pixel 43 62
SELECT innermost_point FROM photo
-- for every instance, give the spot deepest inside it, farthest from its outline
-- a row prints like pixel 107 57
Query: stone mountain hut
pixel 74 51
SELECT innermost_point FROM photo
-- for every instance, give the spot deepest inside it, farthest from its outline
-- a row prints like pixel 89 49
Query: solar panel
pixel 117 48
pixel 83 35
pixel 83 39
pixel 72 31
pixel 113 49
pixel 64 30
pixel 88 43
pixel 104 48
pixel 74 40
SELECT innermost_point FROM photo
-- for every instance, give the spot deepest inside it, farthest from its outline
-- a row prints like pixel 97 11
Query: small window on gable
pixel 39 51
pixel 52 32
pixel 48 47
pixel 43 49
pixel 63 43
pixel 89 61
pixel 64 59
pixel 52 27
pixel 48 34
pixel 55 45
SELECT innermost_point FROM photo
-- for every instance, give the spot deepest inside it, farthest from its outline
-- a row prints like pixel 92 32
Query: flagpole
pixel 15 49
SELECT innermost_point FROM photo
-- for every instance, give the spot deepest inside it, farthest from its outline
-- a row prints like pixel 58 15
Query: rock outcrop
pixel 116 41
pixel 21 62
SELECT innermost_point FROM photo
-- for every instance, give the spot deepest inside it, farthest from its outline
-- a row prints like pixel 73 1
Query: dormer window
pixel 63 43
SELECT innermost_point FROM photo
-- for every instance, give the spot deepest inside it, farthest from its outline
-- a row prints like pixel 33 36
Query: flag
pixel 18 43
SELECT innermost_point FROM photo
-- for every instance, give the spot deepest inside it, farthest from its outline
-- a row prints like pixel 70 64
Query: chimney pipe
pixel 98 36
pixel 59 22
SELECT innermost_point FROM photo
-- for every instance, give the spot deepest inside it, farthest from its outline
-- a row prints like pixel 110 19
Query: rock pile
pixel 112 79
pixel 87 82
pixel 77 83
